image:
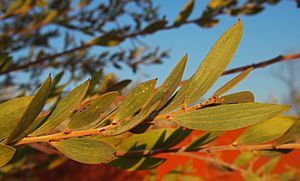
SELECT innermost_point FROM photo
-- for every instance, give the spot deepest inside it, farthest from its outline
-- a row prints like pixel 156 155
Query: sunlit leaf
pixel 226 87
pixel 204 139
pixel 92 111
pixel 83 150
pixel 265 131
pixel 7 152
pixel 293 133
pixel 228 117
pixel 64 109
pixel 134 100
pixel 11 113
pixel 136 163
pixel 94 80
pixel 238 97
pixel 32 111
pixel 184 13
pixel 107 40
pixel 210 69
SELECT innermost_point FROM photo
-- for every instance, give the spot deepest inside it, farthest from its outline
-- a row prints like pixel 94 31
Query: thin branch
pixel 280 58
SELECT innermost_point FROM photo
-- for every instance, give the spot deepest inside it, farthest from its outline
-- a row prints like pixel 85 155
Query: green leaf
pixel 293 133
pixel 244 158
pixel 7 152
pixel 265 131
pixel 107 40
pixel 94 80
pixel 184 13
pixel 238 97
pixel 210 69
pixel 214 64
pixel 226 87
pixel 120 85
pixel 136 163
pixel 228 117
pixel 204 139
pixel 64 109
pixel 171 83
pixel 135 100
pixel 92 111
pixel 10 114
pixel 32 111
pixel 83 150
pixel 153 27
pixel 154 139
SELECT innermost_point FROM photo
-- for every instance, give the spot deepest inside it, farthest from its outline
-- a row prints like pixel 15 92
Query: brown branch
pixel 280 58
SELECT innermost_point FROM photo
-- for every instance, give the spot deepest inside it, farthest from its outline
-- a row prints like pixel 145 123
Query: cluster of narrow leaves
pixel 95 128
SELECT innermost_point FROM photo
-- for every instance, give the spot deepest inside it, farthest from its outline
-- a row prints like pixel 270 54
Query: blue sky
pixel 274 31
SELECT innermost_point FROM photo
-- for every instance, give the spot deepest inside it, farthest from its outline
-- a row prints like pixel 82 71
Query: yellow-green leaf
pixel 92 111
pixel 228 116
pixel 238 97
pixel 83 150
pixel 32 111
pixel 268 167
pixel 107 40
pixel 136 163
pixel 11 113
pixel 7 152
pixel 226 87
pixel 135 100
pixel 214 63
pixel 265 131
pixel 64 109
pixel 293 133
pixel 184 13
pixel 210 69
pixel 171 83
pixel 204 139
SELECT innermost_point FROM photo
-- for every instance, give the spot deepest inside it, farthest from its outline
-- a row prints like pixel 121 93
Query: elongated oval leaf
pixel 83 150
pixel 107 40
pixel 92 111
pixel 136 163
pixel 135 100
pixel 214 63
pixel 7 152
pixel 11 113
pixel 210 69
pixel 228 117
pixel 204 139
pixel 226 87
pixel 64 109
pixel 171 83
pixel 265 131
pixel 293 133
pixel 32 111
pixel 184 13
